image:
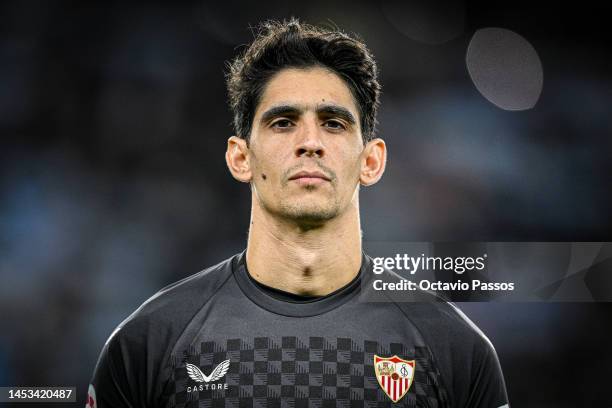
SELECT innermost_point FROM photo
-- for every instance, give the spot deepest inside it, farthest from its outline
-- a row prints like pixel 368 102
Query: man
pixel 280 323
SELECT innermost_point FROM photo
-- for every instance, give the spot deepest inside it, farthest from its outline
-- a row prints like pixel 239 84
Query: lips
pixel 309 175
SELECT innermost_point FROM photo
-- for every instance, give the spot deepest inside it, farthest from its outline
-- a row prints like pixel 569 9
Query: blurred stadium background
pixel 113 124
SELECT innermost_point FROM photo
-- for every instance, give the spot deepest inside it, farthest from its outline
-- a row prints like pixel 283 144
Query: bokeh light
pixel 505 68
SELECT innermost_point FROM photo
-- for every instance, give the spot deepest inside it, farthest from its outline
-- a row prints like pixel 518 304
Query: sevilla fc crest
pixel 394 375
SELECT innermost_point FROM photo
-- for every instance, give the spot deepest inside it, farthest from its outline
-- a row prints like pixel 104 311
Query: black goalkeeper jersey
pixel 220 339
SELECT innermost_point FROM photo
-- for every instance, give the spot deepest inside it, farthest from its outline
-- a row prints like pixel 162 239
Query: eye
pixel 334 124
pixel 282 123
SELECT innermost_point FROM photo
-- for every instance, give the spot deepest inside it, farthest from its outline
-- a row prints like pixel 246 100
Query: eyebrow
pixel 296 110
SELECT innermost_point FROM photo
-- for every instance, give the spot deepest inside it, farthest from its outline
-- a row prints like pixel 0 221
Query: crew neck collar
pixel 286 307
pixel 281 294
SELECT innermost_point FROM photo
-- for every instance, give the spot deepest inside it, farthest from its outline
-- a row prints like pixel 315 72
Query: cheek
pixel 266 165
pixel 352 157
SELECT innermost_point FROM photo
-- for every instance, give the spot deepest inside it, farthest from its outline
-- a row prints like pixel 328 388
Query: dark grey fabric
pixel 291 352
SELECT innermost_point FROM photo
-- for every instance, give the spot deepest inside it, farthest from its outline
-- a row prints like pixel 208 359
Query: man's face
pixel 305 146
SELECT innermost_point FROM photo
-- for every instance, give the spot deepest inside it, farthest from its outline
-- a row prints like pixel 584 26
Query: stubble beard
pixel 309 214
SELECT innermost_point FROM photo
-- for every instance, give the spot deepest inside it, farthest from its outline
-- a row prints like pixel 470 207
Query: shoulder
pixel 132 365
pixel 461 352
pixel 171 308
pixel 444 320
pixel 439 321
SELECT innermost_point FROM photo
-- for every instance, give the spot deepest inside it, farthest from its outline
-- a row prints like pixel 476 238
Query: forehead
pixel 306 87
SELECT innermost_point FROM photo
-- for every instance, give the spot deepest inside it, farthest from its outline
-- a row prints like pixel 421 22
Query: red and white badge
pixel 394 375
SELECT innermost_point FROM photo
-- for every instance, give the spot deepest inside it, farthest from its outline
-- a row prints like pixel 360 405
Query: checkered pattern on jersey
pixel 301 372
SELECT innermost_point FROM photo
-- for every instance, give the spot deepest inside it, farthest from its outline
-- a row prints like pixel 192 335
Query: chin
pixel 315 214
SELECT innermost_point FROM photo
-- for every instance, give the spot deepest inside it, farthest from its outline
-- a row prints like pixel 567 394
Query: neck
pixel 313 261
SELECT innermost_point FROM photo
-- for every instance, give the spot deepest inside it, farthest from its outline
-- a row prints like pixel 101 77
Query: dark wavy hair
pixel 291 44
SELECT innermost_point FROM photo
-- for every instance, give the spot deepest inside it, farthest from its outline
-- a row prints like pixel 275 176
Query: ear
pixel 237 159
pixel 373 162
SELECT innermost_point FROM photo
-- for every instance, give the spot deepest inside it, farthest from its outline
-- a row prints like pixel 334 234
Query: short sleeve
pixel 111 385
pixel 487 385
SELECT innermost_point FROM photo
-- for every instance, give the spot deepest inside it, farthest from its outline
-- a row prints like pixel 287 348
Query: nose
pixel 310 143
